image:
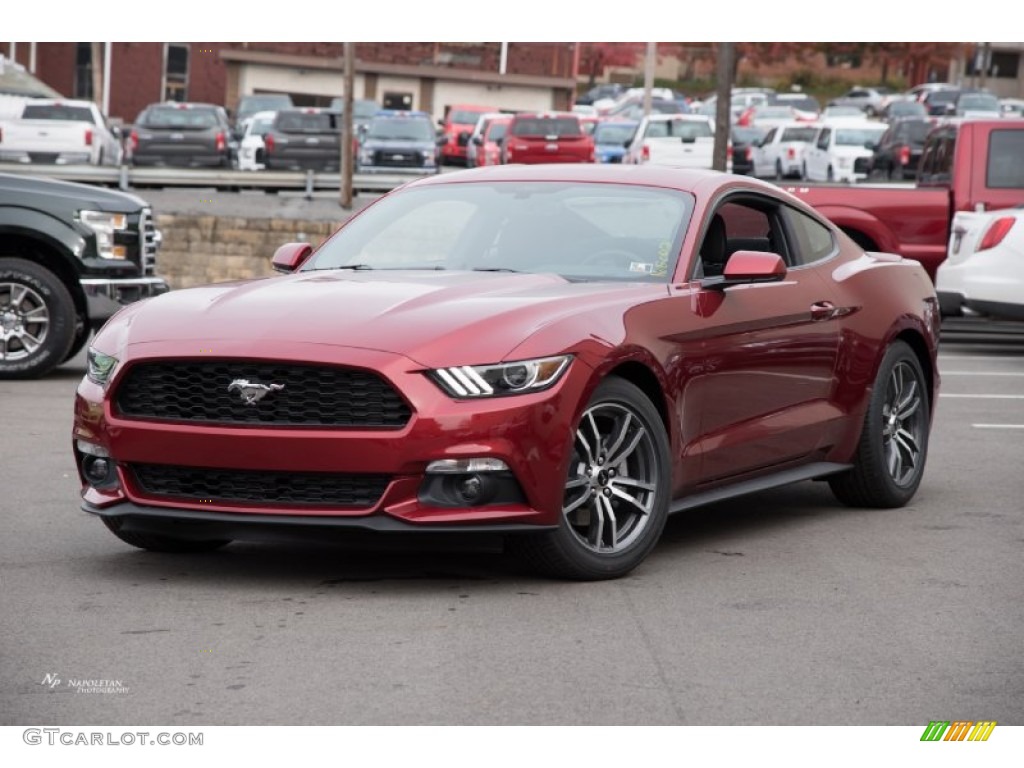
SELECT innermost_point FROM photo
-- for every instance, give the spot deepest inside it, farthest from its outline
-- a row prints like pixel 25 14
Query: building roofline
pixel 336 63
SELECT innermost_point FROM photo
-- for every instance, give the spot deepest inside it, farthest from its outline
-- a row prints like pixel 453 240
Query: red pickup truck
pixel 976 165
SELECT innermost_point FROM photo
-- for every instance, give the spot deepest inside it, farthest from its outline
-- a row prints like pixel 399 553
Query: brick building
pixel 427 76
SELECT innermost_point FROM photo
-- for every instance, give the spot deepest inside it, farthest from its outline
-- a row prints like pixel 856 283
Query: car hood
pixel 73 196
pixel 432 318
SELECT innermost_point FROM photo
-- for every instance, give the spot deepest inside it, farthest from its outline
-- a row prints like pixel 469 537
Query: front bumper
pixel 530 433
pixel 104 296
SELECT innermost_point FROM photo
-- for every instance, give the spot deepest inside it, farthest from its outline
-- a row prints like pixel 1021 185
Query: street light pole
pixel 652 51
pixel 346 127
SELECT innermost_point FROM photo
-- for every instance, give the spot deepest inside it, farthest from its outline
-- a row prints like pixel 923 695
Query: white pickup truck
pixel 682 141
pixel 60 132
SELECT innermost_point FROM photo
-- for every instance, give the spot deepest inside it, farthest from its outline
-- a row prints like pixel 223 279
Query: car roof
pixel 640 175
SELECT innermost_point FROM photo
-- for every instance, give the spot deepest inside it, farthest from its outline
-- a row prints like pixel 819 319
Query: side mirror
pixel 745 267
pixel 871 145
pixel 442 140
pixel 478 140
pixel 116 131
pixel 291 256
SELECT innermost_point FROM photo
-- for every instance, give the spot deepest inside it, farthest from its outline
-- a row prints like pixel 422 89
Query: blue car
pixel 611 139
pixel 398 141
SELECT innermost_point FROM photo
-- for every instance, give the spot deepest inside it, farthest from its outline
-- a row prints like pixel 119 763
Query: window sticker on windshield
pixel 661 267
pixel 641 266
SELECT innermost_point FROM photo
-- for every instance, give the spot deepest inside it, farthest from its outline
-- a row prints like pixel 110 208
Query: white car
pixel 250 150
pixel 60 132
pixel 681 141
pixel 984 269
pixel 840 151
pixel 781 152
pixel 472 146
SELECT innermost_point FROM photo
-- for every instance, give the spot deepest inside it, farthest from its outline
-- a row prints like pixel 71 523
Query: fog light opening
pixel 474 490
pixel 98 470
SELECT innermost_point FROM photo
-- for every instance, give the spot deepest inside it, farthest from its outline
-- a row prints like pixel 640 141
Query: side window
pixel 823 138
pixel 944 159
pixel 738 225
pixel 813 241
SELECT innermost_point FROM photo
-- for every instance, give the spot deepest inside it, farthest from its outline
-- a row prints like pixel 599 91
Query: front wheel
pixel 890 456
pixel 616 493
pixel 37 320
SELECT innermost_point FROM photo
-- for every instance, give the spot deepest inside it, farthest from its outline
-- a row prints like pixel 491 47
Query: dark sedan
pixel 898 152
pixel 184 134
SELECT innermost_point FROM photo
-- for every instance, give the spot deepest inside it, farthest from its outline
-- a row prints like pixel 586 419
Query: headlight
pixel 501 378
pixel 366 156
pixel 100 366
pixel 105 225
pixel 428 154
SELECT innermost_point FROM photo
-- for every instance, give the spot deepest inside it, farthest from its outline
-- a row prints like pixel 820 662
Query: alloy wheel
pixel 902 425
pixel 24 321
pixel 611 489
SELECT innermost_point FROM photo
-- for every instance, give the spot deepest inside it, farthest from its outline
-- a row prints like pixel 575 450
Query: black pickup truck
pixel 70 256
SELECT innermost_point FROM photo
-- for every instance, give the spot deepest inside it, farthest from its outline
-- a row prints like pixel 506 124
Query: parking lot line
pixel 982 373
pixel 984 397
pixel 998 426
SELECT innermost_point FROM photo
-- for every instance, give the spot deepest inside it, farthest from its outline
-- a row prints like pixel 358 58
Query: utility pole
pixel 726 56
pixel 346 127
pixel 652 51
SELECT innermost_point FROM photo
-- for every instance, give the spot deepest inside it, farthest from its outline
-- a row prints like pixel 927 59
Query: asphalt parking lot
pixel 782 608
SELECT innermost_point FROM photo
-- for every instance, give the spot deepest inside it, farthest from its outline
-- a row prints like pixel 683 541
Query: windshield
pixel 798 134
pixel 465 116
pixel 773 113
pixel 614 133
pixel 261 127
pixel 401 129
pixel 858 137
pixel 978 101
pixel 577 230
pixel 914 130
pixel 179 117
pixel 57 112
pixel 686 129
pixel 907 108
pixel 267 103
pixel 744 135
pixel 496 131
pixel 805 103
pixel 843 112
pixel 361 108
pixel 546 126
pixel 305 122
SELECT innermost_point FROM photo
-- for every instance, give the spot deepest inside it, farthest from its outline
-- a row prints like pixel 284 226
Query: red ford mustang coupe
pixel 564 355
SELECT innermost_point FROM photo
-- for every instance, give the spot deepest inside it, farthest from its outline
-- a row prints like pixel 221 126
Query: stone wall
pixel 211 249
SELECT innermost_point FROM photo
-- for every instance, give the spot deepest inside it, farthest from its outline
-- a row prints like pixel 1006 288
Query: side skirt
pixel 786 477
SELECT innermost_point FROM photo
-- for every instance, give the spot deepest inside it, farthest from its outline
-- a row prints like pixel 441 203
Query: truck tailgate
pixel 45 136
pixel 672 150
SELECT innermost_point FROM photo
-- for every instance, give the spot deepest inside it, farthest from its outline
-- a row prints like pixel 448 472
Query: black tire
pixel 874 481
pixel 896 173
pixel 778 170
pixel 830 176
pixel 156 543
pixel 45 295
pixel 803 171
pixel 637 436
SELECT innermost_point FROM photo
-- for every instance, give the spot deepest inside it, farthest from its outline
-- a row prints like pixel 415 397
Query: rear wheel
pixel 37 320
pixel 890 456
pixel 156 543
pixel 803 171
pixel 830 176
pixel 616 493
pixel 778 170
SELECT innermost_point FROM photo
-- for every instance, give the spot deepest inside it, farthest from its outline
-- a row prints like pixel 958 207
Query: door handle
pixel 823 310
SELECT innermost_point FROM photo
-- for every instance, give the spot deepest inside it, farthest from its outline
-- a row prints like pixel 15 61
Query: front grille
pixel 309 395
pixel 861 165
pixel 308 489
pixel 393 159
pixel 148 231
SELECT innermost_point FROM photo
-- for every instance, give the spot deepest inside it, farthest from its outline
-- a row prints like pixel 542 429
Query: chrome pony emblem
pixel 252 393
